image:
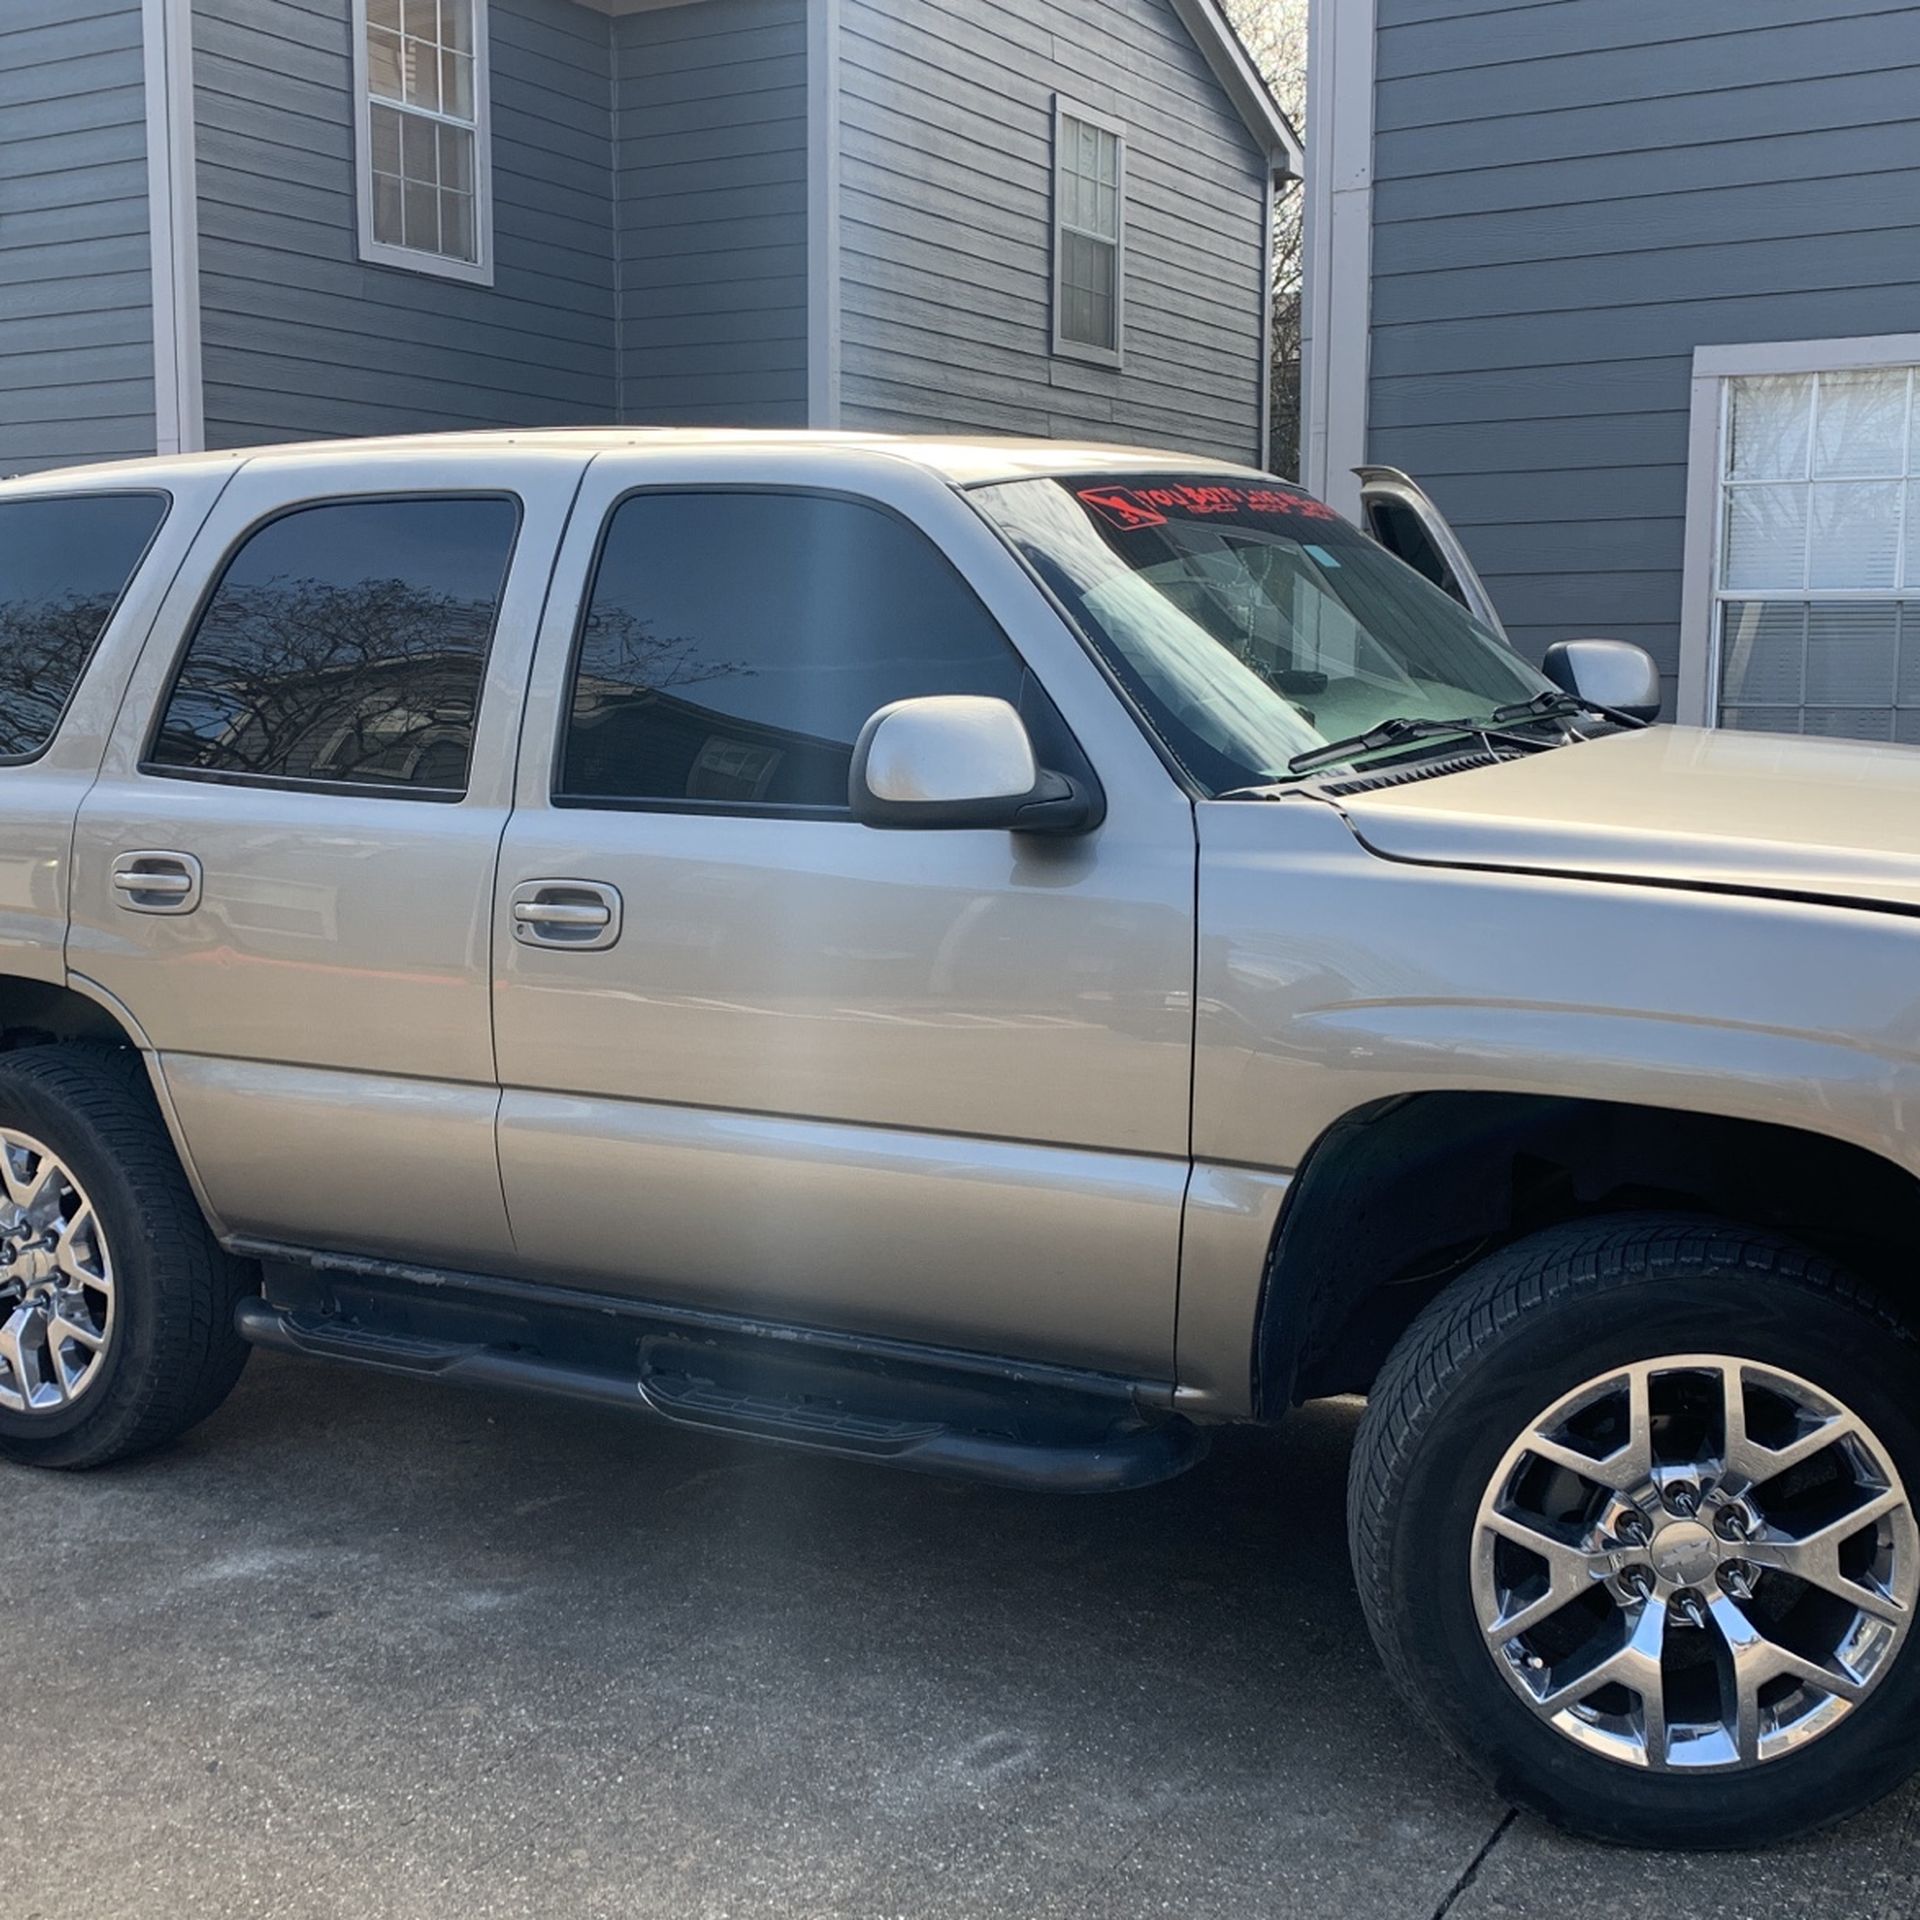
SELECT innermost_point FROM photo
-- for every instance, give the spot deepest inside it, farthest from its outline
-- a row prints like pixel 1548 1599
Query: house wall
pixel 710 117
pixel 1571 196
pixel 300 336
pixel 946 229
pixel 76 316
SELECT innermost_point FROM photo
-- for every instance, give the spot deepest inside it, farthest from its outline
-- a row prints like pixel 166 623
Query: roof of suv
pixel 959 458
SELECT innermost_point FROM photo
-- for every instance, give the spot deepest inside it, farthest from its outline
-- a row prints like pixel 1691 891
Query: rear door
pixel 759 1057
pixel 285 871
pixel 1396 510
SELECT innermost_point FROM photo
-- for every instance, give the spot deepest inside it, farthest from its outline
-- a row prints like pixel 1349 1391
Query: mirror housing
pixel 1610 673
pixel 954 760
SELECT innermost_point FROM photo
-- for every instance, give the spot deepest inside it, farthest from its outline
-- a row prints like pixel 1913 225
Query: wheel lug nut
pixel 1683 1498
pixel 1737 1578
pixel 1731 1525
pixel 1687 1609
pixel 1635 1583
pixel 1632 1527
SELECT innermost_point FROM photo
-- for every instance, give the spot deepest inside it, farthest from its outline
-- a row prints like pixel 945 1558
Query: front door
pixel 285 871
pixel 756 1056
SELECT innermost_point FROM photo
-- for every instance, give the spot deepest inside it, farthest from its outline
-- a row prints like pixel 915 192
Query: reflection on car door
pixel 931 1084
pixel 288 880
pixel 1397 511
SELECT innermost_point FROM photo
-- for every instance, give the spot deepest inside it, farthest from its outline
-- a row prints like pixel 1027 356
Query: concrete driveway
pixel 354 1649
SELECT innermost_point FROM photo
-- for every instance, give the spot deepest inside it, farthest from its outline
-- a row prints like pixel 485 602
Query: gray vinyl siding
pixel 1569 198
pixel 76 307
pixel 710 124
pixel 301 337
pixel 946 233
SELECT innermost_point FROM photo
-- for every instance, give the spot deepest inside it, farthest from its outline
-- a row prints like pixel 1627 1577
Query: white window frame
pixel 1064 110
pixel 475 272
pixel 1697 696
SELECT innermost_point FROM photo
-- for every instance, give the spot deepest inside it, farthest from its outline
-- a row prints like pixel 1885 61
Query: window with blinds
pixel 1817 602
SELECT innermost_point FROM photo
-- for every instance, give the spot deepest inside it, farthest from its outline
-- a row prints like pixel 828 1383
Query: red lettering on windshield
pixel 1129 508
pixel 1121 508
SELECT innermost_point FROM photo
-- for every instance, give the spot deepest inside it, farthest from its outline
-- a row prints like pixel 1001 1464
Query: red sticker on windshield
pixel 1121 508
pixel 1150 506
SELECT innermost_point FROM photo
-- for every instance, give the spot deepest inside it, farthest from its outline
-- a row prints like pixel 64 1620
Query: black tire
pixel 172 1355
pixel 1491 1354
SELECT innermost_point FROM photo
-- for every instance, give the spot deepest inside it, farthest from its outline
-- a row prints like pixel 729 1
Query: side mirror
pixel 958 760
pixel 1610 673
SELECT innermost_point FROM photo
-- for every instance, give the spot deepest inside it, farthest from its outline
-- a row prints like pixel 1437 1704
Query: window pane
pixel 1768 427
pixel 1912 565
pixel 419 144
pixel 384 13
pixel 389 220
pixel 63 567
pixel 1849 723
pixel 1763 653
pixel 1850 654
pixel 422 18
pixel 1907 691
pixel 456 25
pixel 456 159
pixel 456 85
pixel 346 642
pixel 1087 276
pixel 1860 423
pixel 385 124
pixel 456 225
pixel 421 60
pixel 384 66
pixel 736 644
pixel 421 217
pixel 1856 533
pixel 1766 543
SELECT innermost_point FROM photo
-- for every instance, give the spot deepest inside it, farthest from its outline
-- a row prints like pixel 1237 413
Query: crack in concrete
pixel 1471 1872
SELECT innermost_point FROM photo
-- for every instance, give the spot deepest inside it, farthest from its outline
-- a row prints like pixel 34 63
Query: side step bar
pixel 1095 1444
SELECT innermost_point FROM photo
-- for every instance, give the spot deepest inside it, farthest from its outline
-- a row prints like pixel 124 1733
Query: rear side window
pixel 345 643
pixel 63 566
pixel 736 643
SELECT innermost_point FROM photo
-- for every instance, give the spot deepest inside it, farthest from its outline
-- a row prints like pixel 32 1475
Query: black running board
pixel 1091 1443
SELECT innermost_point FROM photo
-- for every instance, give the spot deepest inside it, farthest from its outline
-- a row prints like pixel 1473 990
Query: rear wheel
pixel 116 1304
pixel 1633 1518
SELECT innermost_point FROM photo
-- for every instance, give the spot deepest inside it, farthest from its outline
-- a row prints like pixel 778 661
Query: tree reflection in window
pixel 64 564
pixel 346 643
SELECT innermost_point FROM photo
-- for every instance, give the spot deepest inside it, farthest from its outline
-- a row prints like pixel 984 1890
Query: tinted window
pixel 736 643
pixel 63 567
pixel 346 642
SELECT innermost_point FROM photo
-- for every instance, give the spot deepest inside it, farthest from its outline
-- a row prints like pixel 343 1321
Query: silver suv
pixel 998 959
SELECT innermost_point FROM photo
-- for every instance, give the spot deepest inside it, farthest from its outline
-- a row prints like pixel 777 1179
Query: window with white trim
pixel 421 66
pixel 1817 578
pixel 1089 248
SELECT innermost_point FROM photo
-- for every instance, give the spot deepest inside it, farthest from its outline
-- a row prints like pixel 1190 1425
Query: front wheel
pixel 1632 1515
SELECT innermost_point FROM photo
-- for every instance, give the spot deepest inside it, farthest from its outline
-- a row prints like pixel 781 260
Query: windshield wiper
pixel 1399 730
pixel 1558 704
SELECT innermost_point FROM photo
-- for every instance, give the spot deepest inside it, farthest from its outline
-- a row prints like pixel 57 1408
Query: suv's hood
pixel 1676 805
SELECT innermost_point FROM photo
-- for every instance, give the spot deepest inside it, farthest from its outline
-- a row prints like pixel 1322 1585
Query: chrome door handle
pixel 583 914
pixel 157 882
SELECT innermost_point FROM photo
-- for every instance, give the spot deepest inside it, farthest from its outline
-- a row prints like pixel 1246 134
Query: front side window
pixel 1817 602
pixel 1089 207
pixel 345 643
pixel 63 566
pixel 735 644
pixel 1249 623
pixel 424 192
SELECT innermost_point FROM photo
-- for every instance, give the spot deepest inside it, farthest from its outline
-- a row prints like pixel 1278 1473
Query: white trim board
pixel 173 223
pixel 1337 316
pixel 1713 367
pixel 823 213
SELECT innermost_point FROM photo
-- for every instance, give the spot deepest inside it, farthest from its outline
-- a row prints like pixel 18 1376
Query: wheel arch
pixel 1399 1196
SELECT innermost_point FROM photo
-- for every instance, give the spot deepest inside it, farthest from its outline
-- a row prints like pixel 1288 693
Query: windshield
pixel 1249 623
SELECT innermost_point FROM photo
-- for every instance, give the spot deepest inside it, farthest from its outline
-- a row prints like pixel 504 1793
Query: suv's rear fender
pixel 1331 980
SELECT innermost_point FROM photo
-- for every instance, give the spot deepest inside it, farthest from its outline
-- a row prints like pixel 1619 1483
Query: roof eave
pixel 1233 67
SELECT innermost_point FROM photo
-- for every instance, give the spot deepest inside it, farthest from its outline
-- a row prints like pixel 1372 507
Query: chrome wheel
pixel 56 1281
pixel 1695 1562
